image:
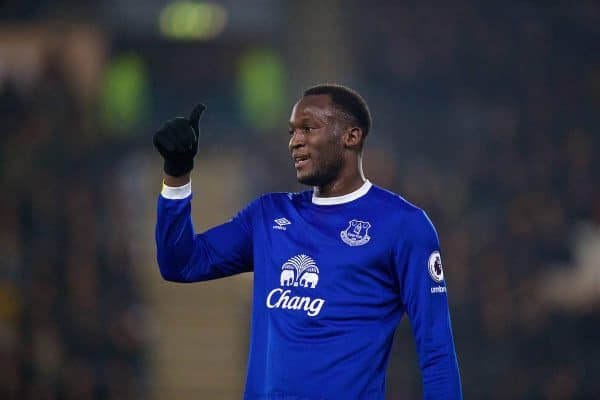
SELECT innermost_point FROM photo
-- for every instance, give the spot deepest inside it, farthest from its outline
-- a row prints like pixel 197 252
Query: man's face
pixel 316 140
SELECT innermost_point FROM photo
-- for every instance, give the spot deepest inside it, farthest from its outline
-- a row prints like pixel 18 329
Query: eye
pixel 290 131
pixel 307 129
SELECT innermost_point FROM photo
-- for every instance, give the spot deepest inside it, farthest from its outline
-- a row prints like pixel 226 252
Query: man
pixel 335 267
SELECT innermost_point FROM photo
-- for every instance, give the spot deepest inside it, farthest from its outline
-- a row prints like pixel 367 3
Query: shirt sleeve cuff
pixel 176 193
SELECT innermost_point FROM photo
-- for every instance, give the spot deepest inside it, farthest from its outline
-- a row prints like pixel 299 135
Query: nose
pixel 296 140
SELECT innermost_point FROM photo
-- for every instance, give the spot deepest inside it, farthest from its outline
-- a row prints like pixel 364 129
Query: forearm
pixel 183 255
pixel 435 347
pixel 441 378
pixel 174 237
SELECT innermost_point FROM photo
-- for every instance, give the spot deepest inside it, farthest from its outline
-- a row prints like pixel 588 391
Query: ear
pixel 353 137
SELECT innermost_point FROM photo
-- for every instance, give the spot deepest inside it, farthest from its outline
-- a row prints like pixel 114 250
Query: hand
pixel 177 142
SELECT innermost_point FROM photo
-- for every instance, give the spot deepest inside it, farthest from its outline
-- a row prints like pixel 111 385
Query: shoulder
pixel 276 200
pixel 284 197
pixel 413 220
pixel 386 198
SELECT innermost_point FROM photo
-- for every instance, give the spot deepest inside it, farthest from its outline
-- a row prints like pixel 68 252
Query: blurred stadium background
pixel 486 114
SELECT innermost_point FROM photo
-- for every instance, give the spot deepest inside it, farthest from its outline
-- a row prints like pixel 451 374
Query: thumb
pixel 195 116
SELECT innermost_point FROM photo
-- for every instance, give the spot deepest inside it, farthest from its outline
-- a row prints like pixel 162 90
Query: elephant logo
pixel 300 271
pixel 357 233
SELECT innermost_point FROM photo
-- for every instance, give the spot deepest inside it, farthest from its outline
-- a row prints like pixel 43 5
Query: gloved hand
pixel 177 142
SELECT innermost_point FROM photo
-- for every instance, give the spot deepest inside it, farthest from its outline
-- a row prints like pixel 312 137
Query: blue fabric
pixel 331 283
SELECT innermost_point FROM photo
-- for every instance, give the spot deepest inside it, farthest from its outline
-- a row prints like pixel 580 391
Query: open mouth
pixel 300 161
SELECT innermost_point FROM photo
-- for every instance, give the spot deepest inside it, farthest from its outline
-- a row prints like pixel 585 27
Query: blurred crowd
pixel 495 113
pixel 485 116
pixel 70 318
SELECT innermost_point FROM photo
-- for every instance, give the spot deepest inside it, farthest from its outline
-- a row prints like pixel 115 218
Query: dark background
pixel 486 115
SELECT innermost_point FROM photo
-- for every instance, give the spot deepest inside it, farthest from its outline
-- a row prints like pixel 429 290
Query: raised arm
pixel 423 293
pixel 183 255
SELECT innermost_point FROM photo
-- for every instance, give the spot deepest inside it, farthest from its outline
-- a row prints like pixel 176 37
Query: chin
pixel 310 180
pixel 314 179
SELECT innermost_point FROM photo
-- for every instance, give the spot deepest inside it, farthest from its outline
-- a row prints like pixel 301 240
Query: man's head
pixel 328 127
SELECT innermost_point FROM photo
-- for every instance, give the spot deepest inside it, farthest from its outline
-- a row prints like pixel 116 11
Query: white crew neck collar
pixel 329 201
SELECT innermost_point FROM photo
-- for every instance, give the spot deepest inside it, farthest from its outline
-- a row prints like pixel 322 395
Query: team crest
pixel 357 233
pixel 435 267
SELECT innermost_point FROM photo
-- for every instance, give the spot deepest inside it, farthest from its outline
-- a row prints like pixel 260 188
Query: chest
pixel 338 255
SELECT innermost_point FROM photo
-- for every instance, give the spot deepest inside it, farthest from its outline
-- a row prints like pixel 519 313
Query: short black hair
pixel 346 100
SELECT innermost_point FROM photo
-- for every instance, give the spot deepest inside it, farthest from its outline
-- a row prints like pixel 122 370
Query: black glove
pixel 177 142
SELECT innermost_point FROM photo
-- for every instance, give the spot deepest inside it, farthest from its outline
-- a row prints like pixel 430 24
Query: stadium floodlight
pixel 186 20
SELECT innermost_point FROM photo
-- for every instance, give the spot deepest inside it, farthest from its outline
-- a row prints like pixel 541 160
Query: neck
pixel 344 183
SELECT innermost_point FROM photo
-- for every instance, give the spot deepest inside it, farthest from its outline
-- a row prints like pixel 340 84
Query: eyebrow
pixel 303 120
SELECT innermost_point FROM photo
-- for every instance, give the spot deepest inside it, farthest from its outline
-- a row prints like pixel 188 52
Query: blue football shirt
pixel 332 279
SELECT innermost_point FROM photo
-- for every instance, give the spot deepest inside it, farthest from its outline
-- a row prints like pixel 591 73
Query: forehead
pixel 312 107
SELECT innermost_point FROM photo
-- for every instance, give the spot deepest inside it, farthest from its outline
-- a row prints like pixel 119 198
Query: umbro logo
pixel 281 223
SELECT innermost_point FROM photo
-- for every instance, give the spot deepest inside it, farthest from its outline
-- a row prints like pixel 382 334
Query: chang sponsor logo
pixel 302 271
pixel 279 298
